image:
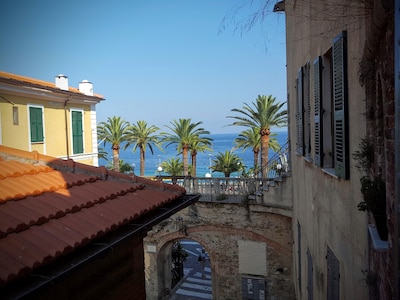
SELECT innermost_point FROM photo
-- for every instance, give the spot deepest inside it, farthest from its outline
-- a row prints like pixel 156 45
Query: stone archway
pixel 158 264
pixel 239 240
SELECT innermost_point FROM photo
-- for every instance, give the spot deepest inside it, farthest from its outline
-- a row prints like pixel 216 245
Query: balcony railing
pixel 235 189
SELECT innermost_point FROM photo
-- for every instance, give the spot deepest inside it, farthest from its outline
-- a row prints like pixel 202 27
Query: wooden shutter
pixel 307 110
pixel 333 276
pixel 318 130
pixel 36 124
pixel 299 113
pixel 77 132
pixel 339 57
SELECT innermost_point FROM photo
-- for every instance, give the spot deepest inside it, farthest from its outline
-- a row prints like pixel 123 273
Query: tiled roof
pixel 50 207
pixel 37 82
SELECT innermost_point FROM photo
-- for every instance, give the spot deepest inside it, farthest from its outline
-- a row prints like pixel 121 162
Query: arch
pixel 215 228
pixel 164 262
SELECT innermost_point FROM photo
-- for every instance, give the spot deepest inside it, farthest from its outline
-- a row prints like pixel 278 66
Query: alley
pixel 194 285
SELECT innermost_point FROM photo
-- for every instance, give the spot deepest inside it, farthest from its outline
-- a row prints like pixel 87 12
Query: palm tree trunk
pixel 185 151
pixel 115 150
pixel 142 159
pixel 255 161
pixel 264 154
pixel 194 165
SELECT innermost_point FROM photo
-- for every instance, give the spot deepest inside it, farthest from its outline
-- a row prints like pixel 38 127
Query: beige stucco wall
pixel 325 206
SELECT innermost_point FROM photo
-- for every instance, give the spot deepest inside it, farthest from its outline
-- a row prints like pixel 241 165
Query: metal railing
pixel 278 164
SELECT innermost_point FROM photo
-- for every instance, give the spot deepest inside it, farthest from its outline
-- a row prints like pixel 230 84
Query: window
pixel 77 131
pixel 15 116
pixel 330 109
pixel 299 113
pixel 36 124
pixel 303 112
pixel 333 275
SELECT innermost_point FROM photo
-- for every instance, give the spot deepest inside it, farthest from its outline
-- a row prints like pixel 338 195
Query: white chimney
pixel 86 87
pixel 62 82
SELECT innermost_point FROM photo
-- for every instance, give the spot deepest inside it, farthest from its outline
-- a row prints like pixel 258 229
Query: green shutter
pixel 339 63
pixel 36 124
pixel 77 132
pixel 318 130
pixel 299 113
pixel 307 110
pixel 333 275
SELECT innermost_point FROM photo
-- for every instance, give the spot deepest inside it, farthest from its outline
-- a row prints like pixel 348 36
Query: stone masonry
pixel 220 228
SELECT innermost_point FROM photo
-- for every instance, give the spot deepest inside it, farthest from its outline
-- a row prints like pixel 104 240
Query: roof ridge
pixel 42 83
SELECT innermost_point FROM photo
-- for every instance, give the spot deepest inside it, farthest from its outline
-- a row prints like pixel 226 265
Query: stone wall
pixel 380 111
pixel 220 228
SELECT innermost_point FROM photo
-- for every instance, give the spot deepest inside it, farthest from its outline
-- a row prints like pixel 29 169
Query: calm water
pixel 220 143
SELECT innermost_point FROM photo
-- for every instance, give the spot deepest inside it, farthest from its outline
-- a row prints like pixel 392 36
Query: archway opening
pixel 191 274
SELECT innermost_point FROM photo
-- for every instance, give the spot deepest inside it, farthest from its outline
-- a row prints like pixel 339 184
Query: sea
pixel 220 143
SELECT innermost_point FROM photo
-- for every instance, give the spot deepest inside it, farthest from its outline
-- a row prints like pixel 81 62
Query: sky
pixel 152 60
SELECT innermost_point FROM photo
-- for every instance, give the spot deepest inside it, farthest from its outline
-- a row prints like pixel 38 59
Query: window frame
pixel 36 129
pixel 333 275
pixel 77 148
pixel 331 145
pixel 300 149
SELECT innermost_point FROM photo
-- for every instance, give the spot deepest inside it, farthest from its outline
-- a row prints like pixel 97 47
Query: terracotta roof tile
pixel 46 213
pixel 38 82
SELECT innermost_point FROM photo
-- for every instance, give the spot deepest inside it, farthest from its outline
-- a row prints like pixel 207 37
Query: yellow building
pixel 51 118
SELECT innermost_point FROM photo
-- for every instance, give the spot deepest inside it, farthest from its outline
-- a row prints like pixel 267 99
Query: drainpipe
pixel 66 124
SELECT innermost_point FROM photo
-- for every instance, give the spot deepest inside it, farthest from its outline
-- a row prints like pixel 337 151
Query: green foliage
pixel 173 167
pixel 251 138
pixel 263 114
pixel 184 134
pixel 374 193
pixel 143 136
pixel 114 131
pixel 227 163
pixel 102 154
pixel 364 156
pixel 199 144
pixel 123 167
pixel 373 188
pixel 179 253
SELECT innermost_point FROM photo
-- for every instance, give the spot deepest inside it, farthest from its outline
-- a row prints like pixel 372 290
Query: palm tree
pixel 265 114
pixel 227 163
pixel 114 131
pixel 173 167
pixel 142 136
pixel 124 167
pixel 102 154
pixel 201 144
pixel 184 132
pixel 251 138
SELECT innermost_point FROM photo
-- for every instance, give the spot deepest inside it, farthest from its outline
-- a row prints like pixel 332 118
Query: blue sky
pixel 152 60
